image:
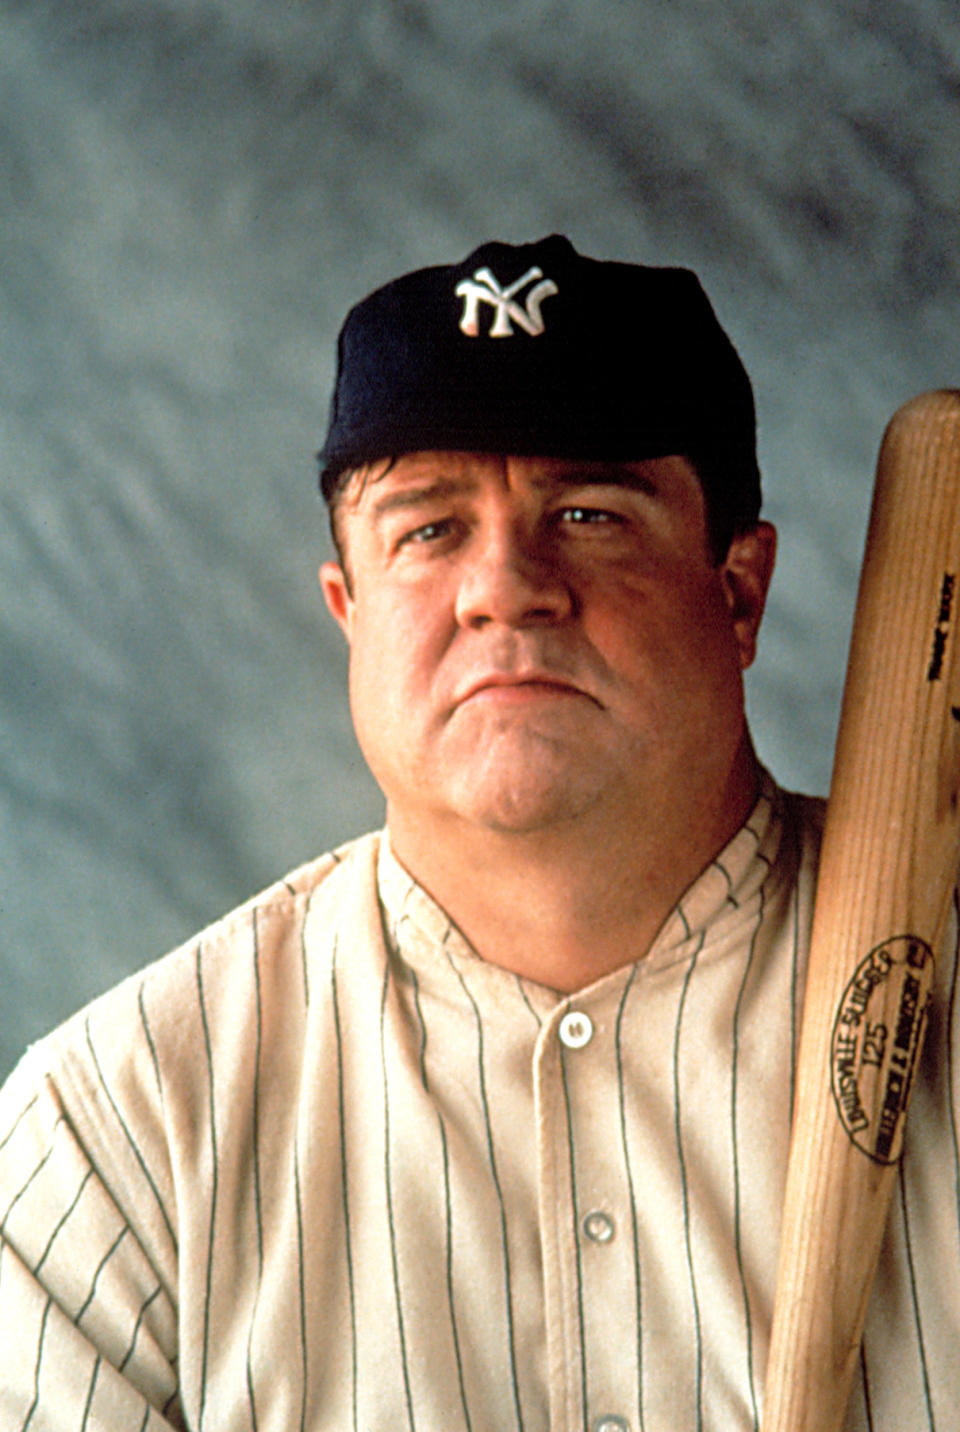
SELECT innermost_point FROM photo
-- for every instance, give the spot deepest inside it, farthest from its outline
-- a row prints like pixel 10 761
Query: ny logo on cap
pixel 484 288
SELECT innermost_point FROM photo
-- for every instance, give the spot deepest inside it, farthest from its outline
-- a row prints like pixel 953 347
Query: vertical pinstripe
pixel 921 1349
pixel 93 1387
pixel 301 1292
pixel 344 1182
pixel 304 962
pixel 213 1190
pixel 36 1373
pixel 575 1219
pixel 128 1135
pixel 791 835
pixel 257 1194
pixel 737 1213
pixel 526 999
pixel 865 1383
pixel 298 1195
pixel 499 1191
pixel 388 1188
pixel 150 1044
pixel 684 1186
pixel 447 1206
pixel 631 1189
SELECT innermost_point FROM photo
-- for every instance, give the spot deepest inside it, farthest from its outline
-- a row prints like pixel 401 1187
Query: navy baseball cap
pixel 536 350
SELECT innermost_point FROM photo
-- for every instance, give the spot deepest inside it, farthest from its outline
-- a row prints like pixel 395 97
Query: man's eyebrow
pixel 415 495
pixel 591 474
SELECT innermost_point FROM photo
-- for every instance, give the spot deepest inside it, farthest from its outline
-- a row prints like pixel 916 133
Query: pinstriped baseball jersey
pixel 325 1168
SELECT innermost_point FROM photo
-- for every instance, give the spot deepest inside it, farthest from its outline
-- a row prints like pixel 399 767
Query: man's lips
pixel 522 686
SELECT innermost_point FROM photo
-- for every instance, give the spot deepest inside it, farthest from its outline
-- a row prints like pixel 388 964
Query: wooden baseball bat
pixel 889 863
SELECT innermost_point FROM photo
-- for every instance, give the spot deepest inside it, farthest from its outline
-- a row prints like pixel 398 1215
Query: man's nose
pixel 509 578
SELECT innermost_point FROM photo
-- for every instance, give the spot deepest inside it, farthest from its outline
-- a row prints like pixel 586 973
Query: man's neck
pixel 563 907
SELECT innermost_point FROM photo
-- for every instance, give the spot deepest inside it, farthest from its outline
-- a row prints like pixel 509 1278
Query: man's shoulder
pixel 177 1059
pixel 317 888
pixel 325 875
pixel 267 941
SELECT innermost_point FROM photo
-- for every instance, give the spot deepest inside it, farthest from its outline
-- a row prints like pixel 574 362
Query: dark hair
pixel 732 505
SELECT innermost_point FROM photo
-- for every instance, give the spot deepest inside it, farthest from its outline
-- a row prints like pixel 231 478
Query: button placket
pixel 587 1105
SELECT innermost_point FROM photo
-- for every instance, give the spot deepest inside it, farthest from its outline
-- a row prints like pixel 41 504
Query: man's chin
pixel 527 803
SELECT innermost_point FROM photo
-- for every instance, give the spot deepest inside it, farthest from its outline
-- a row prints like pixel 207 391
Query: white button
pixel 611 1424
pixel 576 1029
pixel 598 1226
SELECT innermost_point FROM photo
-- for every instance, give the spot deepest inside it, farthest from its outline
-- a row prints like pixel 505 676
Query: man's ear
pixel 336 593
pixel 746 572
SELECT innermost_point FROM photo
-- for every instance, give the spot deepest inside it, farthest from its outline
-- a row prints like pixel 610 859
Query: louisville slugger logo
pixel 877 1038
pixel 483 288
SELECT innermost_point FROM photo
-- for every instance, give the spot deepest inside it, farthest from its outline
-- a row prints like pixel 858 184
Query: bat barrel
pixel 888 868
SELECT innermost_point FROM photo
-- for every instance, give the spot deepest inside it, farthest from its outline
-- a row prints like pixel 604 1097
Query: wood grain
pixel 889 864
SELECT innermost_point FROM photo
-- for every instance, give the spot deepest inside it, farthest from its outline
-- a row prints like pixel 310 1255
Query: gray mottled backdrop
pixel 192 193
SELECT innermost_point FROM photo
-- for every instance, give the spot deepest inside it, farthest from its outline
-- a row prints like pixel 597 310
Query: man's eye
pixel 579 516
pixel 427 531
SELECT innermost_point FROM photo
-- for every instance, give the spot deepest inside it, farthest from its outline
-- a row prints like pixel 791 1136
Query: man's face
pixel 535 640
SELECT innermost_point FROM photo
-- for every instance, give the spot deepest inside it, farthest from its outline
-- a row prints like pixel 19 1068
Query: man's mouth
pixel 521 686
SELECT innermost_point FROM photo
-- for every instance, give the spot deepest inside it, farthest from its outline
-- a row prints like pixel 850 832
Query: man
pixel 482 1122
